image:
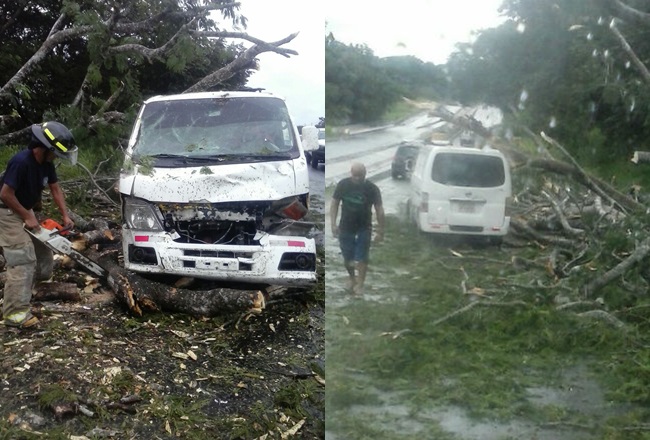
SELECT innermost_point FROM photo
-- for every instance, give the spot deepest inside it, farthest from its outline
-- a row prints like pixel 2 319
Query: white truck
pixel 213 186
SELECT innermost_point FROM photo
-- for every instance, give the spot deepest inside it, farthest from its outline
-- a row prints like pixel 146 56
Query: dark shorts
pixel 355 246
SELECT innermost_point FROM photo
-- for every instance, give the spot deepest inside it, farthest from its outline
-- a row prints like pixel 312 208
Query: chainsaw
pixel 51 234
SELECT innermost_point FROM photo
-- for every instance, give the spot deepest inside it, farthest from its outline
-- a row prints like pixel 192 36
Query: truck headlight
pixel 140 214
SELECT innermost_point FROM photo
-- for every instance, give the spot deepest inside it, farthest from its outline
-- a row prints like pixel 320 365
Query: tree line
pixel 360 87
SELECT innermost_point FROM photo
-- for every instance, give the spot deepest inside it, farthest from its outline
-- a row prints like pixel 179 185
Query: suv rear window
pixel 471 170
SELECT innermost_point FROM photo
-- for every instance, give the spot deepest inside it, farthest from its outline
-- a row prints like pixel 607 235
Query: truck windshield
pixel 469 170
pixel 216 127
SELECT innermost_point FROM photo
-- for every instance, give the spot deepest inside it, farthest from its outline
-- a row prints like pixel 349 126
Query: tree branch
pixel 244 36
pixel 49 44
pixel 239 63
pixel 628 49
pixel 639 254
pixel 10 138
pixel 629 13
pixel 149 53
pixel 90 176
pixel 56 27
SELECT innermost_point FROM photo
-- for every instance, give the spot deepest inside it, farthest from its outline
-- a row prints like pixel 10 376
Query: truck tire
pixel 314 163
pixel 308 156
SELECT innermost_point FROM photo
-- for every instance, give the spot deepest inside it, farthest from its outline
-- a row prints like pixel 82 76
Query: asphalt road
pixel 374 147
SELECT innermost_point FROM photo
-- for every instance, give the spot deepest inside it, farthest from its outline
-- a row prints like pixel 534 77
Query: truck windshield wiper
pixel 168 156
pixel 221 157
pixel 274 156
pixel 163 159
pixel 241 157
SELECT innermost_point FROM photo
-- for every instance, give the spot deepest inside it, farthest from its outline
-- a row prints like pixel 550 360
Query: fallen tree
pixel 569 216
pixel 140 294
pixel 143 294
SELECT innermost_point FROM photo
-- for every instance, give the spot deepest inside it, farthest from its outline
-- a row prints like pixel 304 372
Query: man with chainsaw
pixel 27 173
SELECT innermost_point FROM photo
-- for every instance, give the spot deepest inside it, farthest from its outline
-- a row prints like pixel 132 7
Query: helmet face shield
pixel 70 155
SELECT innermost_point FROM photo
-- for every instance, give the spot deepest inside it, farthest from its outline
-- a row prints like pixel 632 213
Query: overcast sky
pixel 426 29
pixel 301 78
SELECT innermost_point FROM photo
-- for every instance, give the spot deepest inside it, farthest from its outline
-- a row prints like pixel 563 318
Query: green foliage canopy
pixel 77 61
pixel 557 66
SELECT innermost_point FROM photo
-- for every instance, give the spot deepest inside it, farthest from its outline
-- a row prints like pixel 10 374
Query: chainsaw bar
pixel 62 245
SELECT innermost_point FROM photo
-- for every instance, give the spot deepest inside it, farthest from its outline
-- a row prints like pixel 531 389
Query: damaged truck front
pixel 214 186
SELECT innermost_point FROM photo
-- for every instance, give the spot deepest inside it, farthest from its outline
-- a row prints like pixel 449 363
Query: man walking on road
pixel 357 196
pixel 27 174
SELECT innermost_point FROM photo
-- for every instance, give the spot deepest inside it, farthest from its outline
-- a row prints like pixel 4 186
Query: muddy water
pixel 396 418
pixel 392 413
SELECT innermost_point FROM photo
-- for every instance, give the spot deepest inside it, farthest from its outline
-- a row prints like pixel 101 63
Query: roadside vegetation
pixel 464 328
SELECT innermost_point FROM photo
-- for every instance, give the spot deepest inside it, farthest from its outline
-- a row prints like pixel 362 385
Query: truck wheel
pixel 314 163
pixel 308 156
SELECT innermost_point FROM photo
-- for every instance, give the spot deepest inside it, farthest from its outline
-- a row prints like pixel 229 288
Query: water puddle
pixel 392 415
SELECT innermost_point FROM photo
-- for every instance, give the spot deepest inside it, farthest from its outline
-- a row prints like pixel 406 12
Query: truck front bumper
pixel 277 260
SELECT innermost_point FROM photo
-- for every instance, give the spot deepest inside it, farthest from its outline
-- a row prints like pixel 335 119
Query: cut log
pixel 143 294
pixel 97 236
pixel 56 291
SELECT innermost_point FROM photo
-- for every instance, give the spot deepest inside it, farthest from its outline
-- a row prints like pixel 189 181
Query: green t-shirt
pixel 357 199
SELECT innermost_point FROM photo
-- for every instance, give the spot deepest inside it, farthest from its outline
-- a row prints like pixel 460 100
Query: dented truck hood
pixel 217 184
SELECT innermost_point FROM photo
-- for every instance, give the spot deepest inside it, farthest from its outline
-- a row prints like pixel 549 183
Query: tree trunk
pixel 143 294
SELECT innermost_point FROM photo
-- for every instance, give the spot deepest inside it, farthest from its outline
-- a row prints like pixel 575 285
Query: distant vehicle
pixel 313 139
pixel 318 155
pixel 459 190
pixel 466 139
pixel 404 160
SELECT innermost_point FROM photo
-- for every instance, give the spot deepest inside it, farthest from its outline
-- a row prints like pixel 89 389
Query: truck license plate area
pixel 464 207
pixel 213 264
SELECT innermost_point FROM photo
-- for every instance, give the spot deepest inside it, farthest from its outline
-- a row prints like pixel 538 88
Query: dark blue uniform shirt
pixel 28 177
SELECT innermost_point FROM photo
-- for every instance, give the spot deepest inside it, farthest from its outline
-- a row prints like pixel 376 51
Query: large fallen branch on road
pixel 518 158
pixel 642 251
pixel 140 293
pixel 143 294
pixel 567 212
